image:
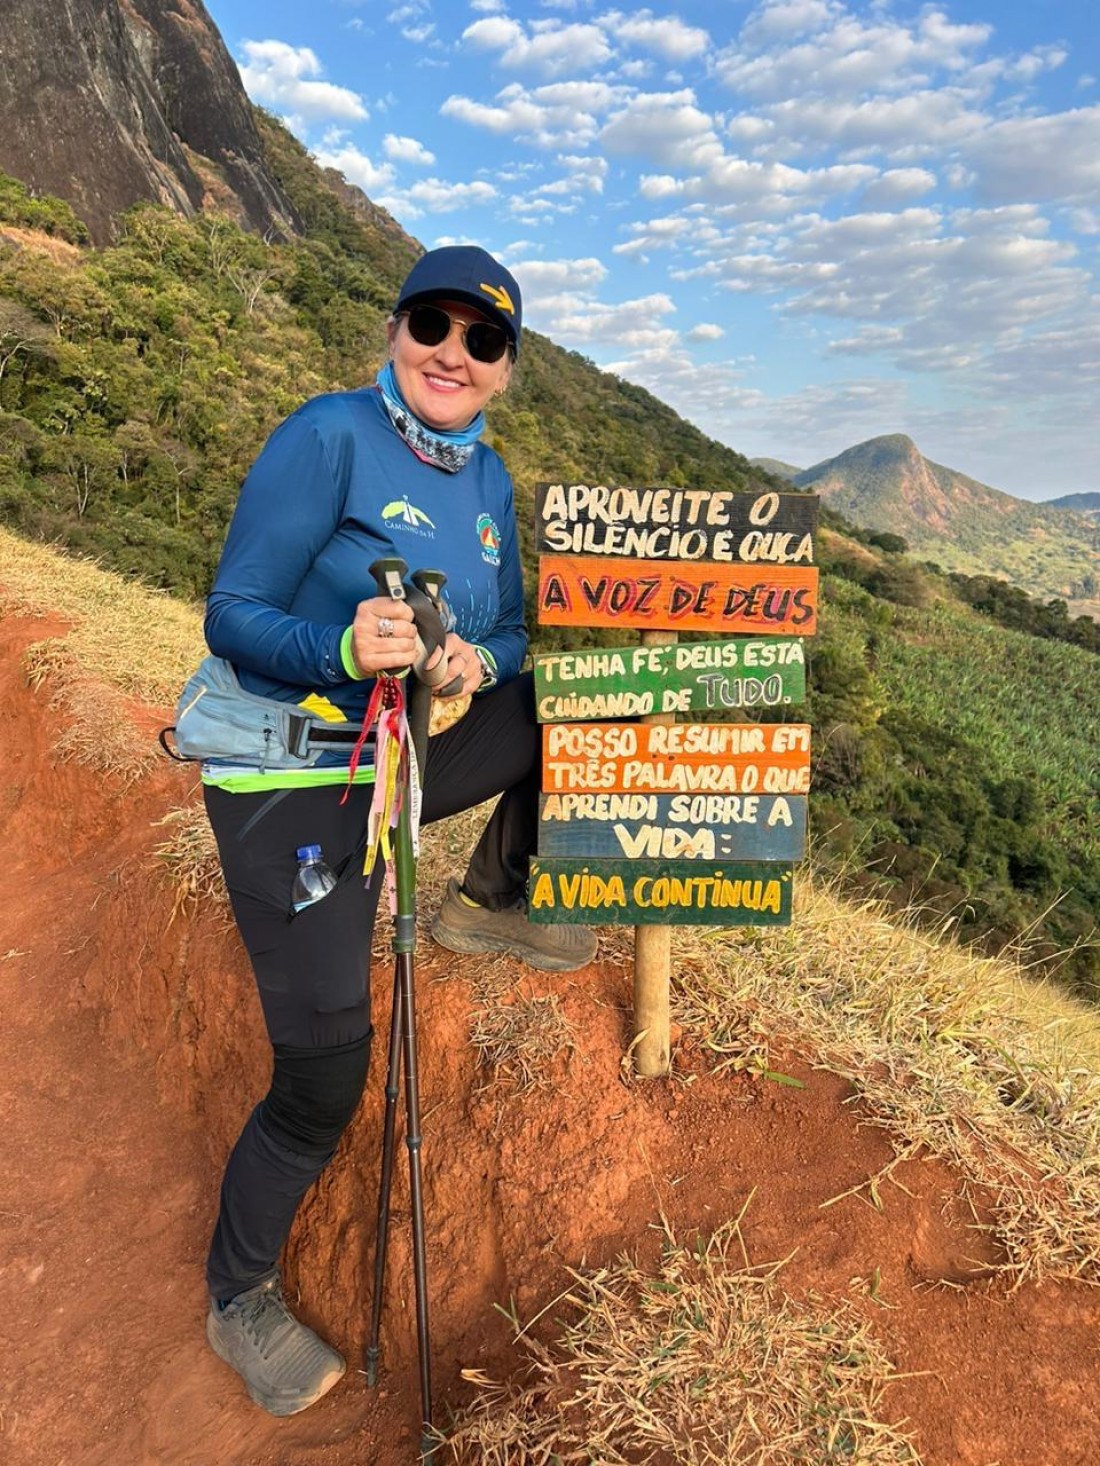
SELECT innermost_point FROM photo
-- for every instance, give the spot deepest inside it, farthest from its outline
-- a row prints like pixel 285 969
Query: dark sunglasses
pixel 429 325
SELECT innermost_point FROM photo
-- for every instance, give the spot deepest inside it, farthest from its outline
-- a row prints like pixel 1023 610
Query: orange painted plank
pixel 652 595
pixel 684 758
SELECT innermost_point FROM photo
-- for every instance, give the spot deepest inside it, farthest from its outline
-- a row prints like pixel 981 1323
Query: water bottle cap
pixel 309 852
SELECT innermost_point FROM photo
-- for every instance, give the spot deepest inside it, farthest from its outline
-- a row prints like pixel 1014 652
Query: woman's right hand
pixel 375 653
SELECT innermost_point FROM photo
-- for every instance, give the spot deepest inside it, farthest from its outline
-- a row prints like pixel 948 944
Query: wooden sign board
pixel 683 758
pixel 678 596
pixel 659 892
pixel 674 826
pixel 694 677
pixel 676 524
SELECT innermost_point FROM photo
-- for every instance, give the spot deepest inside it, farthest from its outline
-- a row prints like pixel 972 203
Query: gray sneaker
pixel 284 1365
pixel 463 928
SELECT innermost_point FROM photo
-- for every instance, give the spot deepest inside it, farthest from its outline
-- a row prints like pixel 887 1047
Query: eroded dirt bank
pixel 133 1048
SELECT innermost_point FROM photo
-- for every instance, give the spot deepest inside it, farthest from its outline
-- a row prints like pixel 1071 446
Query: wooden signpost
pixel 701 676
pixel 681 826
pixel 675 524
pixel 711 758
pixel 650 822
pixel 686 892
pixel 778 600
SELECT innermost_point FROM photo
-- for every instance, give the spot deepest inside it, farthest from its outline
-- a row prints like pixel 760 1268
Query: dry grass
pixel 519 1039
pixel 190 854
pixel 138 641
pixel 703 1361
pixel 518 1035
pixel 60 251
pixel 98 731
pixel 956 1055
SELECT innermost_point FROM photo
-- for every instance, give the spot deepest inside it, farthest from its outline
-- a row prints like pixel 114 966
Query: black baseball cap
pixel 468 273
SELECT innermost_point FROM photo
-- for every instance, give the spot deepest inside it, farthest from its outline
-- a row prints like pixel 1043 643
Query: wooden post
pixel 653 956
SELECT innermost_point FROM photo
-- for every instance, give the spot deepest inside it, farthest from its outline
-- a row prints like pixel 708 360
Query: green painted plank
pixel 676 524
pixel 573 890
pixel 691 827
pixel 693 677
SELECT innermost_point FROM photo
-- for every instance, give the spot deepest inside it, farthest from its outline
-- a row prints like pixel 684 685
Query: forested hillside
pixel 138 381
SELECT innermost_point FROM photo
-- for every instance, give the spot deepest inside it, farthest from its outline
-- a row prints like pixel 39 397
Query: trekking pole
pixel 390 574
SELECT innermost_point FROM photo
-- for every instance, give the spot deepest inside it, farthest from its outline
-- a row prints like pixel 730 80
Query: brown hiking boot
pixel 463 928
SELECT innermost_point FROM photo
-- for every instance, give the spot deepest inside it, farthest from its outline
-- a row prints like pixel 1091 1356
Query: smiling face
pixel 443 384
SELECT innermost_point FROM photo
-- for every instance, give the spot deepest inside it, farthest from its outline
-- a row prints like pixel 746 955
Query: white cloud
pixel 1036 158
pixel 279 75
pixel 547 46
pixel 634 324
pixel 1027 67
pixel 667 35
pixel 406 150
pixel 773 188
pixel 843 56
pixel 544 278
pixel 922 120
pixel 663 128
pixel 786 18
pixel 534 212
pixel 662 234
pixel 418 34
pixel 436 196
pixel 898 186
pixel 558 115
pixel 705 331
pixel 357 168
pixel 585 175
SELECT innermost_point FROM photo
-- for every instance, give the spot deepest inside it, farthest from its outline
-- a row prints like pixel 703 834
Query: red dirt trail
pixel 132 1048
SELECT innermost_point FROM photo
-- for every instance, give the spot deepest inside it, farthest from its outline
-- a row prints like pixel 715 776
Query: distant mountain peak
pixel 886 484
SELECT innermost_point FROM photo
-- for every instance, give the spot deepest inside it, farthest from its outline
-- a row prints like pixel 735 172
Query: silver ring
pixel 385 626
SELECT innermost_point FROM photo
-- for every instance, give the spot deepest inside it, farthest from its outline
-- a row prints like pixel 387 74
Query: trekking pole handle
pixel 389 573
pixel 431 583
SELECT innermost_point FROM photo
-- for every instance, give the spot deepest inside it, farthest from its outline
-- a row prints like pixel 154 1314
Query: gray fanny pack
pixel 217 719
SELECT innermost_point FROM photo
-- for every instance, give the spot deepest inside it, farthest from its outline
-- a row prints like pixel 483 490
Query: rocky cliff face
pixel 105 102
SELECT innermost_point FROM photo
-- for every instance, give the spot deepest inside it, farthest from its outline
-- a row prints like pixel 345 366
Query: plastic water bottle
pixel 313 879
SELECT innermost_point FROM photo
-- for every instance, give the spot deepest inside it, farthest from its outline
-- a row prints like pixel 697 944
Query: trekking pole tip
pixel 431 1449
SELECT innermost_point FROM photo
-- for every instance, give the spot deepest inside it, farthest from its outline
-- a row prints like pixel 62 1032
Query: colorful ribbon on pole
pixel 395 775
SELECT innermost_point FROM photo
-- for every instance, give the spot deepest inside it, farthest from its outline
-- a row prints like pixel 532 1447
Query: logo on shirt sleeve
pixel 489 536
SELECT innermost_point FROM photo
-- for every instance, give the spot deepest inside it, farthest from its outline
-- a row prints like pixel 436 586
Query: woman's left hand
pixel 462 661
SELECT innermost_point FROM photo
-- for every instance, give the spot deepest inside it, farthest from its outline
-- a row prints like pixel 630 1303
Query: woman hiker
pixel 396 469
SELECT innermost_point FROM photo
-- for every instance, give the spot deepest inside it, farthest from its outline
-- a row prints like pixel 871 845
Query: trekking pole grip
pixel 389 573
pixel 430 583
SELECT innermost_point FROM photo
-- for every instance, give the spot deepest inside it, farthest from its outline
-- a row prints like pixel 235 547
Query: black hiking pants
pixel 313 969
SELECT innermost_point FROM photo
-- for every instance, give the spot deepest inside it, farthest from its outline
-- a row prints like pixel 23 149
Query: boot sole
pixel 283 1403
pixel 469 945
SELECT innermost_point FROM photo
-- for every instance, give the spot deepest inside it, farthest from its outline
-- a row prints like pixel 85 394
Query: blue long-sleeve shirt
pixel 334 488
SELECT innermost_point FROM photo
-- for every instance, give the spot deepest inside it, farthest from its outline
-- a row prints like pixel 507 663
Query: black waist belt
pixel 304 733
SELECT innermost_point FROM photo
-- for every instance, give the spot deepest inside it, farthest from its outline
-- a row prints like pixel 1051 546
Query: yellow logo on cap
pixel 501 299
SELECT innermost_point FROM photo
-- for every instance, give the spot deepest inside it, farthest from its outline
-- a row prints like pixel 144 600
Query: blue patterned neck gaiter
pixel 449 451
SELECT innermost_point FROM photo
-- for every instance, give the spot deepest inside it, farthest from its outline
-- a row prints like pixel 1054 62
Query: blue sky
pixel 802 223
